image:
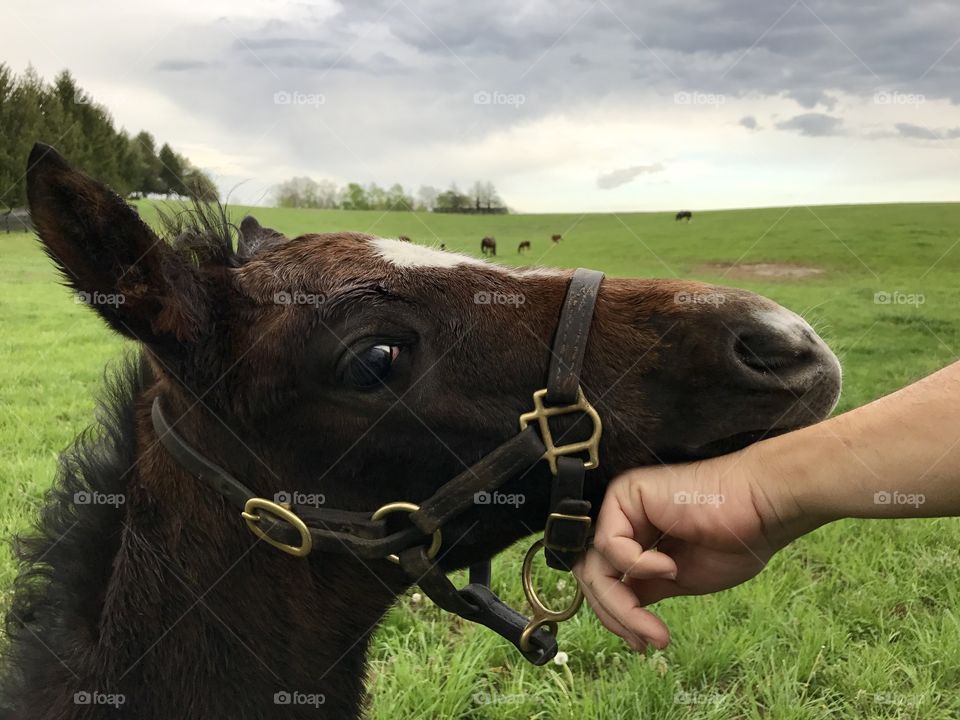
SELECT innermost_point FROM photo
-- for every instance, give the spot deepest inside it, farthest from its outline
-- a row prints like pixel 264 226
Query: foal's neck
pixel 260 633
pixel 166 606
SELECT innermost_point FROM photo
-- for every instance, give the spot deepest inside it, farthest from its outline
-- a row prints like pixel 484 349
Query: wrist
pixel 787 486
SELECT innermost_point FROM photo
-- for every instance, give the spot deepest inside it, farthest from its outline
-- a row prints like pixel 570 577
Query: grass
pixel 857 620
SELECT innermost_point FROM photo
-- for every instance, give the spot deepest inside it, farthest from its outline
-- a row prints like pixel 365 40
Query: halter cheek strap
pixel 568 524
pixel 298 530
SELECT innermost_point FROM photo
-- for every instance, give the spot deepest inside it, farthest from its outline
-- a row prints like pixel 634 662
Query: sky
pixel 566 106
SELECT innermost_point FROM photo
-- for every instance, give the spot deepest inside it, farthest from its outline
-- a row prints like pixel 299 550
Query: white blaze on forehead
pixel 410 255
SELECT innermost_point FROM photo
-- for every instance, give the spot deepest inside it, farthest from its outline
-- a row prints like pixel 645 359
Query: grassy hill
pixel 857 620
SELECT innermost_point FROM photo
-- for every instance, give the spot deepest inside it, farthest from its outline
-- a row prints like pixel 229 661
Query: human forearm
pixel 896 457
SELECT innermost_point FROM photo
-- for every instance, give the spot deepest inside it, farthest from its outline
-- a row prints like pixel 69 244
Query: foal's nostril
pixel 773 350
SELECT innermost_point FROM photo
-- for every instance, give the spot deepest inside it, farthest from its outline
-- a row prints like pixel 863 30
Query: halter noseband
pixel 415 547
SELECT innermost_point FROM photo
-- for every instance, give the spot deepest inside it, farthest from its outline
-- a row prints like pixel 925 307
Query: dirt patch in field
pixel 760 271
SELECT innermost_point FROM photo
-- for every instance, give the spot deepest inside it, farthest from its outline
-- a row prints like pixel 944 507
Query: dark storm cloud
pixel 566 53
pixel 424 63
pixel 616 178
pixel 813 125
pixel 738 46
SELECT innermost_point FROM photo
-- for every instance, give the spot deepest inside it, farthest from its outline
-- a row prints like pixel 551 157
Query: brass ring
pixel 531 628
pixel 409 508
pixel 541 611
pixel 252 517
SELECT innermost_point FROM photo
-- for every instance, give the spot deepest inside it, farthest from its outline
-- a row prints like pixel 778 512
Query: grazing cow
pixel 524 246
pixel 556 238
pixel 684 215
pixel 404 238
pixel 488 246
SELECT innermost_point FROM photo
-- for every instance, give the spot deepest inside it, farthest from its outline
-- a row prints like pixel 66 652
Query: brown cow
pixel 556 238
pixel 523 246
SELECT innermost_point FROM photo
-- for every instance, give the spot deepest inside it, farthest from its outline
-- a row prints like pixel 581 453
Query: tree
pixel 355 198
pixel 484 195
pixel 327 195
pixel 296 192
pixel 478 194
pixel 490 195
pixel 149 182
pixel 376 197
pixel 61 113
pixel 427 198
pixel 25 123
pixel 200 186
pixel 8 170
pixel 452 200
pixel 171 172
pixel 397 198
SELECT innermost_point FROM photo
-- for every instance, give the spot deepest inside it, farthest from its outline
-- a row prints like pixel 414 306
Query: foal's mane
pixel 66 559
pixel 203 232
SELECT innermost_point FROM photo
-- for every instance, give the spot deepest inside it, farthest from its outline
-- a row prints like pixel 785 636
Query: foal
pixel 343 367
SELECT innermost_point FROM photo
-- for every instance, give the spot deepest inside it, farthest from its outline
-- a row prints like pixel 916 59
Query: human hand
pixel 714 525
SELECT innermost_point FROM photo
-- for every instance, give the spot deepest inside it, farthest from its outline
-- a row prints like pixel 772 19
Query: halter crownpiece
pixel 300 530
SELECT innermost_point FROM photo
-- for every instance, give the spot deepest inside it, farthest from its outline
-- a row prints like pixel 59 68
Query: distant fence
pixel 473 210
pixel 16 220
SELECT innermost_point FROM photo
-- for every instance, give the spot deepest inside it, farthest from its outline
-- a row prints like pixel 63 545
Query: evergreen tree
pixel 62 114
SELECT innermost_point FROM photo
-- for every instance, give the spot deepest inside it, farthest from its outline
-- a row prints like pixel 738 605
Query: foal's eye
pixel 371 367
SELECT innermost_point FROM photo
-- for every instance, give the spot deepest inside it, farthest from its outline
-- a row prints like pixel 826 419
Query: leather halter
pixel 299 530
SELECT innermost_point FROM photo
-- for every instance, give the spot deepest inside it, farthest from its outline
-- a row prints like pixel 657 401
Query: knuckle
pixel 602 543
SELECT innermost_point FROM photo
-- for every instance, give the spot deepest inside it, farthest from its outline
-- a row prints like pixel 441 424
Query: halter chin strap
pixel 298 530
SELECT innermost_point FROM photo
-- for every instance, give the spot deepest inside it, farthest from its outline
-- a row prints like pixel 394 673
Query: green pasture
pixel 858 620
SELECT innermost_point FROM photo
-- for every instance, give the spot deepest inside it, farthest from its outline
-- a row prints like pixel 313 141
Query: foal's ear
pixel 132 278
pixel 253 237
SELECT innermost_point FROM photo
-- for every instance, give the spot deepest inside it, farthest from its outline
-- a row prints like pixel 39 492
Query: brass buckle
pixel 542 413
pixel 409 508
pixel 251 514
pixel 542 615
pixel 554 517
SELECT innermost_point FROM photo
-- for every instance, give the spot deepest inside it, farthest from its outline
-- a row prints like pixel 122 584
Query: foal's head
pixel 362 371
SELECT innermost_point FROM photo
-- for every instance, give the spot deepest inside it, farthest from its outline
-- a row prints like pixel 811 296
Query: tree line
pixel 63 115
pixel 305 192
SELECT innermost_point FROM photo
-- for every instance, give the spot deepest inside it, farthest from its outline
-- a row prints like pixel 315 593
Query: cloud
pixel 616 178
pixel 813 125
pixel 181 65
pixel 908 130
pixel 398 82
pixel 809 98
